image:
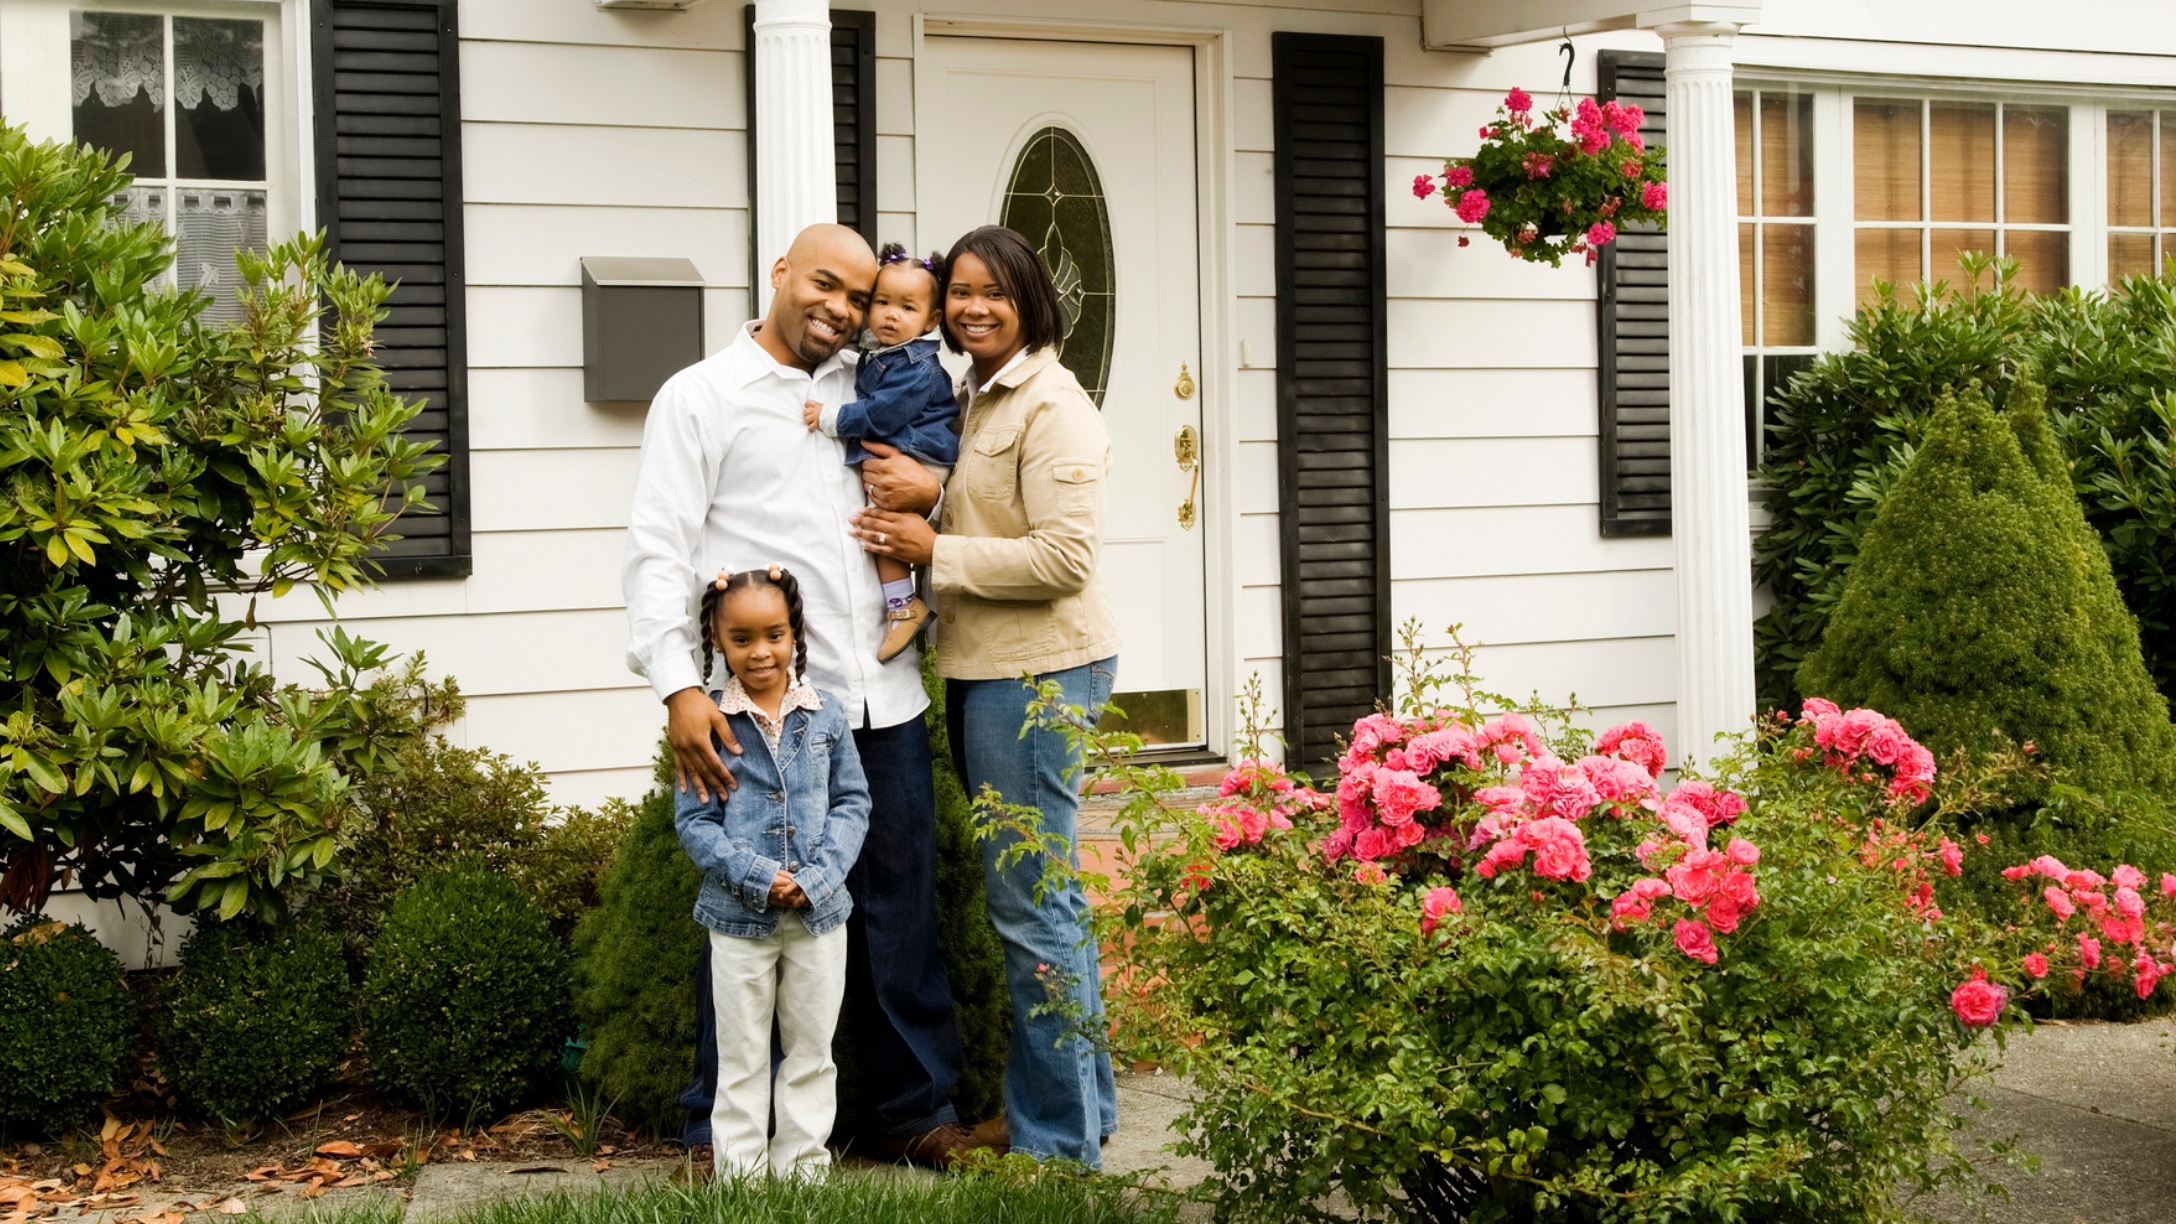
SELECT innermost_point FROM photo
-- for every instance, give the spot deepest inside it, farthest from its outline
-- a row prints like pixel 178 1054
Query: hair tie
pixel 775 572
pixel 724 578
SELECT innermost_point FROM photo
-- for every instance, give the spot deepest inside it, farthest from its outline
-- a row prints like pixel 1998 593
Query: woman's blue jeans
pixel 1059 1095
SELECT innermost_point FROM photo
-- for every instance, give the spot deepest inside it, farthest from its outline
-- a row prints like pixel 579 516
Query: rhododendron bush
pixel 1497 968
pixel 1562 185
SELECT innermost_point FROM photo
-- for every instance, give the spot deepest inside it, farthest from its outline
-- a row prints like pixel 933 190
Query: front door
pixel 1087 149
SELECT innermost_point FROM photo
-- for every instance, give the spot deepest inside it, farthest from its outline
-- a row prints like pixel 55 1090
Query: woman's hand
pixel 906 537
pixel 897 482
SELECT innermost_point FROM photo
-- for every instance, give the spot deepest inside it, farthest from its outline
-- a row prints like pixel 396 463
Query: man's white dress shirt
pixel 732 478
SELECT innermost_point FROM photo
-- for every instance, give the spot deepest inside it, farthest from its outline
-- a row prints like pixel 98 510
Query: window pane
pixel 2168 167
pixel 1947 245
pixel 1961 140
pixel 1786 155
pixel 219 98
pixel 1742 104
pixel 2036 164
pixel 1786 283
pixel 2129 255
pixel 1746 294
pixel 137 205
pixel 1891 254
pixel 2043 258
pixel 1885 159
pixel 2130 167
pixel 119 66
pixel 214 225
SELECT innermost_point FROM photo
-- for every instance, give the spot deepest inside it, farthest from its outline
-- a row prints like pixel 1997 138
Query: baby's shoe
pixel 903 623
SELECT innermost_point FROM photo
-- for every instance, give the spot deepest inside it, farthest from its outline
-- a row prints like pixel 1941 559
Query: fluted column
pixel 1708 492
pixel 796 169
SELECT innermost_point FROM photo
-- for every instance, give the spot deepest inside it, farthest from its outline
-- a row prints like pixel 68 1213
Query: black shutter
pixel 1332 385
pixel 1633 308
pixel 387 86
pixel 853 123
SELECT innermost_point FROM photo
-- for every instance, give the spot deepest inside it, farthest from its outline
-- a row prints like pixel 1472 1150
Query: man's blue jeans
pixel 898 1000
pixel 1059 1096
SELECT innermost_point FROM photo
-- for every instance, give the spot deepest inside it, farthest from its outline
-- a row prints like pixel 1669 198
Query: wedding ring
pixel 883 537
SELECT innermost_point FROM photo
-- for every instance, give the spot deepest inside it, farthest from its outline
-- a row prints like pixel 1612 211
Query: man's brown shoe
pixel 993 1133
pixel 936 1148
pixel 904 624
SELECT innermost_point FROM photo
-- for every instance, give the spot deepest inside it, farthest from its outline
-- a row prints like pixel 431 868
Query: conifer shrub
pixel 974 960
pixel 634 968
pixel 252 1024
pixel 465 1004
pixel 1981 613
pixel 67 1023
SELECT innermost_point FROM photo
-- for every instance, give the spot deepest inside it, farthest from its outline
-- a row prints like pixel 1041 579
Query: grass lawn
pixel 845 1198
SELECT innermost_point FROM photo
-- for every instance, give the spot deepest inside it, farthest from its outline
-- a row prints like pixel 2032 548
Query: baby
pixel 905 400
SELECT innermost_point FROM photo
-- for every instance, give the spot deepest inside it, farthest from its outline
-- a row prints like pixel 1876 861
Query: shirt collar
pixel 1018 359
pixel 751 361
pixel 800 695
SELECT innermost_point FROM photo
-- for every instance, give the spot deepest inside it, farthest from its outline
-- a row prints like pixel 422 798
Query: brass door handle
pixel 1186 447
pixel 1184 388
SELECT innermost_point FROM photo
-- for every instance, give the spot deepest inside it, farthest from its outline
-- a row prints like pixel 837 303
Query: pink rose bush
pixel 1563 183
pixel 2076 920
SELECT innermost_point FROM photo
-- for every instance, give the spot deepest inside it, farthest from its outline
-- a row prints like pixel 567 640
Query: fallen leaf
pixel 599 1166
pixel 313 1189
pixel 339 1147
pixel 350 1180
pixel 351 1117
pixel 232 1206
pixel 468 1153
pixel 383 1175
pixel 383 1149
pixel 606 1150
pixel 266 1173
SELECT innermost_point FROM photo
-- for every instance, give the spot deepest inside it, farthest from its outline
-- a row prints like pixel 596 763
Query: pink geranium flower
pixel 1472 206
pixel 1536 165
pixel 1458 176
pixel 1655 196
pixel 1601 233
pixel 1424 185
pixel 1518 101
pixel 1694 940
pixel 1978 1002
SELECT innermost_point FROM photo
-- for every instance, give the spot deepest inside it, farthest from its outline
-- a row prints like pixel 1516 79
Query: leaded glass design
pixel 1056 200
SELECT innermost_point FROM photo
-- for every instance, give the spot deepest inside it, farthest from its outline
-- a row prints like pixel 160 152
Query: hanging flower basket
pixel 1545 193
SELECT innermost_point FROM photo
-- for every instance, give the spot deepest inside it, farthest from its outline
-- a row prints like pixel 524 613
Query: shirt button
pixel 948 618
pixel 778 796
pixel 793 866
pixel 789 830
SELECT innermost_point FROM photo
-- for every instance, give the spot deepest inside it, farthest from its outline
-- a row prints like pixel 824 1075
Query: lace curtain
pixel 118 55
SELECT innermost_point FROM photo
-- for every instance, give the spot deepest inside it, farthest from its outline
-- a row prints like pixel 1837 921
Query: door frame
pixel 1216 171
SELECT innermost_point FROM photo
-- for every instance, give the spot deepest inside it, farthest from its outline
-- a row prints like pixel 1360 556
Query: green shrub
pixel 150 468
pixel 974 960
pixel 67 1023
pixel 442 804
pixel 634 968
pixel 1841 433
pixel 1981 612
pixel 465 1004
pixel 252 1024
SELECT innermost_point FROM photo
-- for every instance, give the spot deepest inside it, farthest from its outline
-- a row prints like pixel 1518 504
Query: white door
pixel 1088 150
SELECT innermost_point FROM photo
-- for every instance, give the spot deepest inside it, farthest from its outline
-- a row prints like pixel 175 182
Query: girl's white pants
pixel 801 979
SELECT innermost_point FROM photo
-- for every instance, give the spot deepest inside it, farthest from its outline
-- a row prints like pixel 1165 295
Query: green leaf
pixel 12 374
pixel 13 821
pixel 233 898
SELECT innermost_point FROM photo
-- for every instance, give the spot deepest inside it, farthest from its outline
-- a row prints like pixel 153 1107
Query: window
pixel 2141 191
pixel 1056 200
pixel 1934 178
pixel 184 97
pixel 1775 245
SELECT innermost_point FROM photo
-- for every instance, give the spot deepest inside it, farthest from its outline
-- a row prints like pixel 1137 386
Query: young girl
pixel 905 400
pixel 774 852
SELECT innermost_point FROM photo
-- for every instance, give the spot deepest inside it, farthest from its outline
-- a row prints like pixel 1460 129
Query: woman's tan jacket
pixel 1015 568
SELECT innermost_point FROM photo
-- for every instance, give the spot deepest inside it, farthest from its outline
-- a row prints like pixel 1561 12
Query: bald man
pixel 731 478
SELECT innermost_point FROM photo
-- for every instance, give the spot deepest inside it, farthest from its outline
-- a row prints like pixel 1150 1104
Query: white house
pixel 1328 416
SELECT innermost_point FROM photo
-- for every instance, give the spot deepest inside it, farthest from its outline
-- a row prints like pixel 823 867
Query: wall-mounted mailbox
pixel 642 322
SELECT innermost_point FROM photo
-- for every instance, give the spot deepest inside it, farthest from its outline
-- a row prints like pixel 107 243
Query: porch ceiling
pixel 1478 25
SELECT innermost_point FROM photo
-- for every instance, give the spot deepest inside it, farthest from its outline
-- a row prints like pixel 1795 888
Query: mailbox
pixel 642 322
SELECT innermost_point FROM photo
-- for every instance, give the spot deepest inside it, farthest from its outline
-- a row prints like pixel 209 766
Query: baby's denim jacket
pixel 803 810
pixel 906 400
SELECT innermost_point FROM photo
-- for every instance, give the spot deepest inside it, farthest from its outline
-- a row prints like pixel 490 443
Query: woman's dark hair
pixel 776 577
pixel 1020 273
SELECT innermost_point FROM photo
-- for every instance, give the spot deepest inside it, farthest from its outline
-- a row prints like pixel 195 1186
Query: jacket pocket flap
pixel 996 441
pixel 1075 471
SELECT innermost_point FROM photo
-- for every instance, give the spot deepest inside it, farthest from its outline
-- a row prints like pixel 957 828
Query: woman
pixel 1017 595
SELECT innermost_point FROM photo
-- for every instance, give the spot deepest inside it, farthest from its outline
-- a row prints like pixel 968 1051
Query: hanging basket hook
pixel 1571 56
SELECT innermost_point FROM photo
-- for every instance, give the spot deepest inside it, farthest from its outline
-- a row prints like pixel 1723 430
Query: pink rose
pixel 2150 973
pixel 2059 901
pixel 1399 793
pixel 1952 857
pixel 2127 876
pixel 1655 196
pixel 1437 905
pixel 1472 206
pixel 1696 878
pixel 2089 950
pixel 2168 883
pixel 1560 850
pixel 1694 940
pixel 1742 852
pixel 1373 844
pixel 1617 781
pixel 2036 964
pixel 1685 820
pixel 2051 867
pixel 1458 176
pixel 1886 743
pixel 1635 742
pixel 1817 709
pixel 1630 908
pixel 1424 185
pixel 1978 1002
pixel 1518 101
pixel 1370 873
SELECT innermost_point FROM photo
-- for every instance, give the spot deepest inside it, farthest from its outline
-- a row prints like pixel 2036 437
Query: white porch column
pixel 796 173
pixel 1708 492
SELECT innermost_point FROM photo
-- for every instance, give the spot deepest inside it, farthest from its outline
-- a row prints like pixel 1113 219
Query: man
pixel 731 478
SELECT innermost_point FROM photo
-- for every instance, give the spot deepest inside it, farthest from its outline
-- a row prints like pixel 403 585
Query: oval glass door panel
pixel 1055 199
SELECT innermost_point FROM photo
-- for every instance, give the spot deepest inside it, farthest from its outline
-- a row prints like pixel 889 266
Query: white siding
pixel 624 133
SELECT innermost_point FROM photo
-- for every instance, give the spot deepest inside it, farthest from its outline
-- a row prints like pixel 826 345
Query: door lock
pixel 1187 448
pixel 1184 388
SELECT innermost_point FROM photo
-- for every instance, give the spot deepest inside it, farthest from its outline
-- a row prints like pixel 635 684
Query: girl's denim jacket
pixel 803 810
pixel 905 399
